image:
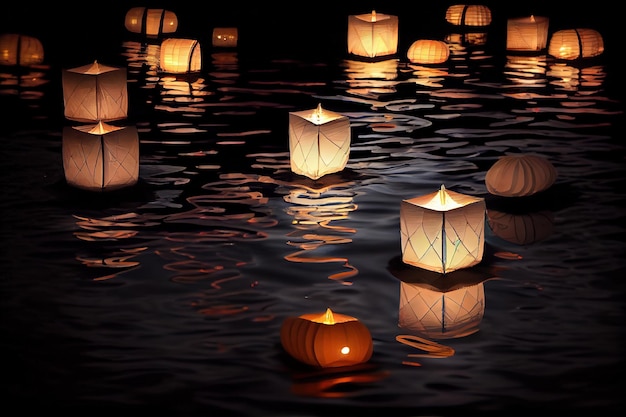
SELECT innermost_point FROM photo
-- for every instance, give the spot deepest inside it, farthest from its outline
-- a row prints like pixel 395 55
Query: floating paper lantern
pixel 520 175
pixel 179 56
pixel 326 339
pixel 442 231
pixel 225 37
pixel 521 229
pixel 319 142
pixel 572 44
pixel 150 22
pixel 468 15
pixel 95 92
pixel 427 51
pixel 372 35
pixel 100 157
pixel 20 50
pixel 527 33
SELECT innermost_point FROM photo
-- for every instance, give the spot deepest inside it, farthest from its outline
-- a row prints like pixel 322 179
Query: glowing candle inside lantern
pixel 372 34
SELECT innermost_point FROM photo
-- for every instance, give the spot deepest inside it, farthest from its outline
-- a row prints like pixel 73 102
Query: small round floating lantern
pixel 520 175
pixel 428 51
pixel 468 15
pixel 570 44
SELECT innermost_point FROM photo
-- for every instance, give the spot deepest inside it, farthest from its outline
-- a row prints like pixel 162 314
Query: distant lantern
pixel 319 142
pixel 427 51
pixel 572 44
pixel 442 231
pixel 372 35
pixel 100 157
pixel 180 56
pixel 95 92
pixel 225 37
pixel 527 33
pixel 150 22
pixel 520 175
pixel 20 50
pixel 468 15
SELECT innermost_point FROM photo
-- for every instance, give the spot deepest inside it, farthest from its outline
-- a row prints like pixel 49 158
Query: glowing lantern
pixel 468 15
pixel 520 175
pixel 150 22
pixel 426 51
pixel 20 50
pixel 326 339
pixel 527 33
pixel 521 229
pixel 179 56
pixel 572 44
pixel 319 142
pixel 95 92
pixel 100 157
pixel 372 35
pixel 225 37
pixel 442 231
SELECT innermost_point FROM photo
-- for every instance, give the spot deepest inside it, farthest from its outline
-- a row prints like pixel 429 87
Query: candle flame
pixel 532 18
pixel 328 317
pixel 317 113
pixel 373 15
pixel 442 195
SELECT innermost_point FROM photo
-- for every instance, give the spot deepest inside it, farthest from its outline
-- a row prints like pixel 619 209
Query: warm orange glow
pixel 373 16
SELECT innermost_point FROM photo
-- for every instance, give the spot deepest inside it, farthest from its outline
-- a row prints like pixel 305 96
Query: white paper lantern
pixel 468 15
pixel 428 51
pixel 100 157
pixel 527 33
pixel 180 56
pixel 572 44
pixel 442 231
pixel 20 50
pixel 225 37
pixel 372 35
pixel 520 175
pixel 319 142
pixel 95 92
pixel 150 22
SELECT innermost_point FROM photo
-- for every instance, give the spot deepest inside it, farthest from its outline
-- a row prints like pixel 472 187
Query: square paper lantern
pixel 150 22
pixel 319 142
pixel 20 50
pixel 572 44
pixel 527 33
pixel 372 35
pixel 100 157
pixel 442 231
pixel 95 92
pixel 225 37
pixel 180 56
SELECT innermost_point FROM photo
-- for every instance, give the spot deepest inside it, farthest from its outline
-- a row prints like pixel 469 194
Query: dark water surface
pixel 166 299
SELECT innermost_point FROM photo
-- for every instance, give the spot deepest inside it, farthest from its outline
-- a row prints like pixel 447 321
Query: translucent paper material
pixel 179 56
pixel 442 231
pixel 150 22
pixel 225 37
pixel 520 175
pixel 372 35
pixel 427 51
pixel 468 15
pixel 20 50
pixel 572 44
pixel 527 33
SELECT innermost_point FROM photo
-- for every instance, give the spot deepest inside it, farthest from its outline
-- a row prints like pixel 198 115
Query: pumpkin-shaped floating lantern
pixel 520 175
pixel 372 35
pixel 326 339
pixel 20 50
pixel 468 15
pixel 428 51
pixel 572 44
pixel 180 56
pixel 523 228
pixel 225 37
pixel 150 22
pixel 528 34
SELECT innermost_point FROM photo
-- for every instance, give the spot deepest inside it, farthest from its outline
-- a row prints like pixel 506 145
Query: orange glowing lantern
pixel 468 15
pixel 20 50
pixel 95 92
pixel 427 51
pixel 326 339
pixel 150 22
pixel 100 157
pixel 225 37
pixel 372 35
pixel 442 231
pixel 572 44
pixel 520 175
pixel 180 56
pixel 527 33
pixel 319 142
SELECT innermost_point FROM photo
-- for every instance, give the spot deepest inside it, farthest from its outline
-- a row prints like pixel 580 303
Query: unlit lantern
pixel 572 44
pixel 428 51
pixel 179 56
pixel 20 50
pixel 150 22
pixel 528 34
pixel 520 175
pixel 326 339
pixel 372 35
pixel 468 15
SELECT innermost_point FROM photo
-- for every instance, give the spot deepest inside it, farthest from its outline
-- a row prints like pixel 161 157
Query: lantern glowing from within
pixel 372 35
pixel 100 157
pixel 95 92
pixel 468 15
pixel 326 339
pixel 572 44
pixel 319 142
pixel 225 37
pixel 442 231
pixel 150 22
pixel 527 33
pixel 427 51
pixel 520 175
pixel 180 56
pixel 20 50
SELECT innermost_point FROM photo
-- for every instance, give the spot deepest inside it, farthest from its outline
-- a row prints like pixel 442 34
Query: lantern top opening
pixel 443 200
pixel 328 317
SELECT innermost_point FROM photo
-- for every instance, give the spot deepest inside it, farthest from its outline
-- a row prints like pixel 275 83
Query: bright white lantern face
pixel 372 35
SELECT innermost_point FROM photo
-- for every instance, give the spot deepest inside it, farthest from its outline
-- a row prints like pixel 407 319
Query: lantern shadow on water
pixel 372 35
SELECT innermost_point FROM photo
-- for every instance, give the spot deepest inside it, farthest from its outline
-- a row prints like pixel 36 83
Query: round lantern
pixel 150 22
pixel 20 50
pixel 468 15
pixel 427 51
pixel 180 56
pixel 520 175
pixel 572 44
pixel 326 339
